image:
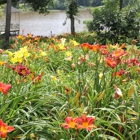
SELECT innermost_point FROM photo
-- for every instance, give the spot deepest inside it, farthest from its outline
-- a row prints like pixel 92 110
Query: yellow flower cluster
pixel 18 56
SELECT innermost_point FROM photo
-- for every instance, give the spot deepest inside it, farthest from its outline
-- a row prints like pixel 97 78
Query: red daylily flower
pixel 103 50
pixel 133 62
pixel 111 62
pixel 69 123
pixel 85 122
pixel 4 88
pixel 21 69
pixel 4 129
pixel 67 90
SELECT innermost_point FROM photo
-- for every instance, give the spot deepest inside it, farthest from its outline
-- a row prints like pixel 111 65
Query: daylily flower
pixel 4 88
pixel 36 78
pixel 118 92
pixel 21 70
pixel 86 46
pixel 19 55
pixel 4 129
pixel 61 47
pixel 103 50
pixel 74 43
pixel 30 35
pixel 1 51
pixel 85 122
pixel 68 53
pixel 73 65
pixel 2 63
pixel 69 123
pixel 67 90
pixel 110 62
pixel 63 40
pixel 20 37
pixel 95 47
pixel 119 73
pixel 133 62
pixel 118 53
pixel 100 75
pixel 42 53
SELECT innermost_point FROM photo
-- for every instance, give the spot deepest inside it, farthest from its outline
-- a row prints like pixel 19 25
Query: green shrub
pixel 115 25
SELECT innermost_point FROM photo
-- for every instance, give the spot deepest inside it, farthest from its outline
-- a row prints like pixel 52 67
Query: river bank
pixel 51 24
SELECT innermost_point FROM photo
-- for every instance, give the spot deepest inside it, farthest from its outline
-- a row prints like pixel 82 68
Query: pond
pixel 51 24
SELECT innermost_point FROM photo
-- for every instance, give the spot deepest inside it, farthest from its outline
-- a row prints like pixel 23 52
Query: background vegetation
pixel 112 24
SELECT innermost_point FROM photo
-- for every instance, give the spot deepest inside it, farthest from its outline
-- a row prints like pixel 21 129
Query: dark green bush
pixel 114 25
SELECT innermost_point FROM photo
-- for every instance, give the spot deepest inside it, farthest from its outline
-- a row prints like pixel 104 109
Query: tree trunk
pixel 121 4
pixel 8 21
pixel 72 25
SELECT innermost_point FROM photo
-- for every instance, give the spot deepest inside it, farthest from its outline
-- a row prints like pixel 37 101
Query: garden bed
pixel 69 88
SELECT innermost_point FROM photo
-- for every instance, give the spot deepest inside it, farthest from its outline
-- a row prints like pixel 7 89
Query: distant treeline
pixel 62 4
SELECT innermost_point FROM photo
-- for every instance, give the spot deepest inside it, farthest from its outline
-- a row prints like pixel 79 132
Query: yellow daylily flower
pixel 42 53
pixel 68 53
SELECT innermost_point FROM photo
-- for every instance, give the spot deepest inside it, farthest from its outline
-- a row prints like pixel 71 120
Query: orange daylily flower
pixel 86 46
pixel 95 47
pixel 123 46
pixel 4 88
pixel 82 122
pixel 69 123
pixel 85 122
pixel 4 129
pixel 30 35
pixel 2 63
pixel 118 53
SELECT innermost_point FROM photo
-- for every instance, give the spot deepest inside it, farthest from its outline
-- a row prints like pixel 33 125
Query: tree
pixel 8 21
pixel 96 2
pixel 83 2
pixel 121 4
pixel 114 25
pixel 72 11
pixel 40 5
pixel 37 5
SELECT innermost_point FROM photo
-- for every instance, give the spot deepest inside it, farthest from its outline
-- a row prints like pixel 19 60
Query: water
pixel 51 24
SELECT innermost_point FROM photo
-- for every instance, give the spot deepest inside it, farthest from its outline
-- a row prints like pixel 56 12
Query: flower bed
pixel 58 88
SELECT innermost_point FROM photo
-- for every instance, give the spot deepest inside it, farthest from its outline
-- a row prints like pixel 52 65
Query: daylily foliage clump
pixel 94 88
